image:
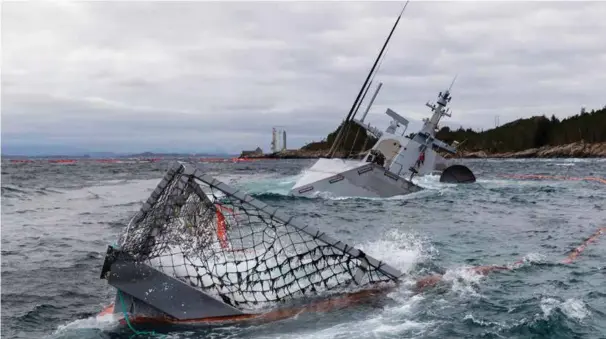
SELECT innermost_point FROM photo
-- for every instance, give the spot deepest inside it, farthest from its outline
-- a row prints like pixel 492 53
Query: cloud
pixel 210 76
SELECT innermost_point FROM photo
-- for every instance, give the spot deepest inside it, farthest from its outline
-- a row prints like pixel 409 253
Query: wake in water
pixel 258 185
pixel 274 187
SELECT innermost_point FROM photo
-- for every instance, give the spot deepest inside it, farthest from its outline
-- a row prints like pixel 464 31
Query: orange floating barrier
pixel 552 177
pixel 62 161
pixel 578 250
pixel 433 280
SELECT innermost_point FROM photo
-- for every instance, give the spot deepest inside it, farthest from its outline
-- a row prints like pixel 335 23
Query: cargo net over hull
pixel 238 249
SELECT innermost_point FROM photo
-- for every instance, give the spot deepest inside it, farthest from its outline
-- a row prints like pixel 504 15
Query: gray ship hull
pixel 367 180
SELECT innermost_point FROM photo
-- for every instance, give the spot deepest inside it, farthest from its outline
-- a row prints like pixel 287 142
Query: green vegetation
pixel 518 135
pixel 355 140
pixel 533 132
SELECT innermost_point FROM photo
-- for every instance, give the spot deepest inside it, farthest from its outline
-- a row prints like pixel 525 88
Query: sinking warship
pixel 388 168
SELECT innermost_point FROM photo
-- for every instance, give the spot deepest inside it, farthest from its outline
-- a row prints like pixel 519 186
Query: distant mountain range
pixel 105 155
pixel 12 149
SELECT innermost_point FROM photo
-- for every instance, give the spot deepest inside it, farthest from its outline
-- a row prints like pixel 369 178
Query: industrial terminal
pixel 277 146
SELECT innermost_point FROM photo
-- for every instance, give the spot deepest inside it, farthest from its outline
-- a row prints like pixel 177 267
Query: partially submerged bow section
pixel 387 169
pixel 200 249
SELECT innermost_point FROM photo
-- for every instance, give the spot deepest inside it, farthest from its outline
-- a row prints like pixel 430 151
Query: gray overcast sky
pixel 216 76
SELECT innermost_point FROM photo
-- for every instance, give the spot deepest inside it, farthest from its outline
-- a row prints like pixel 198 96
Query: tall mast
pixel 439 110
pixel 361 100
pixel 355 103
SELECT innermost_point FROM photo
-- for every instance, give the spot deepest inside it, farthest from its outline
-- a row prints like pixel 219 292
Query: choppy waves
pixel 57 223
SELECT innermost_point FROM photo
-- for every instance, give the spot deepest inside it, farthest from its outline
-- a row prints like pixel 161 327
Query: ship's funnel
pixel 457 174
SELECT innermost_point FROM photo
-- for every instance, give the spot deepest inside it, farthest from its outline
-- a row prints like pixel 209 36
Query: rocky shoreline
pixel 573 150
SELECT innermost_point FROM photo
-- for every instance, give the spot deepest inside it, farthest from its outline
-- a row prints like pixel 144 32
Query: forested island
pixel 581 135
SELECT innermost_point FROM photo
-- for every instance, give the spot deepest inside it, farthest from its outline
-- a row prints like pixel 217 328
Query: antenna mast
pixel 355 104
pixel 452 83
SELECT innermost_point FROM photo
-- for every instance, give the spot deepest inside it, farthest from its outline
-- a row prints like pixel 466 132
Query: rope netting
pixel 240 250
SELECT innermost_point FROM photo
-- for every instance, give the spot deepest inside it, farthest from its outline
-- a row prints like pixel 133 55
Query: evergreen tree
pixel 515 136
pixel 533 132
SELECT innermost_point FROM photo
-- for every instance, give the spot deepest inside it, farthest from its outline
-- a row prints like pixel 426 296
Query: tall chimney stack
pixel 274 146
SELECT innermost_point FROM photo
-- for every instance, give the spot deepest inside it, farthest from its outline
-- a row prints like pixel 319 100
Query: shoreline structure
pixel 572 150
